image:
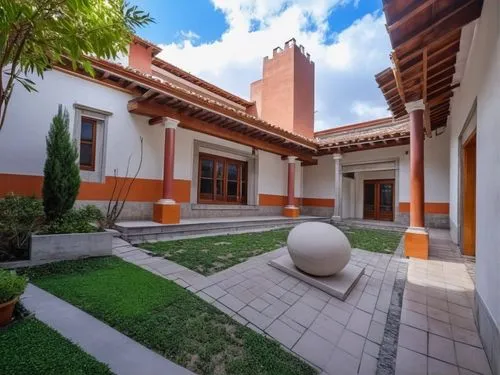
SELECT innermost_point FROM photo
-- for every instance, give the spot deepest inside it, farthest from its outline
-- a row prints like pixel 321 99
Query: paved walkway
pixel 437 333
pixel 336 337
pixel 123 355
pixel 437 330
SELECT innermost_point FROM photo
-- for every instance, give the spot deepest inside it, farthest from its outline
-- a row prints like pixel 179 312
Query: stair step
pixel 144 233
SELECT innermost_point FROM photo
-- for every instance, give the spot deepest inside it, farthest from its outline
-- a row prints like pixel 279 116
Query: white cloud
pixel 189 35
pixel 368 111
pixel 346 91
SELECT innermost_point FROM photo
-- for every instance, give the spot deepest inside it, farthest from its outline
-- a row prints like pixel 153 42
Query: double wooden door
pixel 378 200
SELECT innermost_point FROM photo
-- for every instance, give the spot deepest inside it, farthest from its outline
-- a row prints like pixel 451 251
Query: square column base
pixel 417 243
pixel 290 211
pixel 167 213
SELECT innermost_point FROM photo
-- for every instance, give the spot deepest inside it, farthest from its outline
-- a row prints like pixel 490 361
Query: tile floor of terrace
pixel 436 334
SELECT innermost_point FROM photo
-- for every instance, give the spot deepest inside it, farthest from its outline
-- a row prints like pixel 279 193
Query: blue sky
pixel 224 41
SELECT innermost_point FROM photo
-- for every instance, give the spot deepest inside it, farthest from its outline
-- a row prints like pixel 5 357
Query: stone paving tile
pixel 277 291
pixel 292 324
pixel 314 348
pixel 376 332
pixel 367 303
pixel 313 301
pixel 351 343
pixel 409 362
pixel 232 302
pixel 223 308
pixel 255 317
pixel 359 322
pixel 258 304
pixel 336 313
pixel 327 328
pixel 413 339
pixel 441 368
pixel 372 349
pixel 302 314
pixel 205 297
pixel 368 365
pixel 472 358
pixel 342 363
pixel 380 317
pixel 442 349
pixel 290 298
pixel 466 336
pixel 283 333
pixel 214 291
pixel 276 309
pixel 440 328
pixel 414 319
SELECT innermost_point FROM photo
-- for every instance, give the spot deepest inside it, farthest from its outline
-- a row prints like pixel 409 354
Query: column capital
pixel 291 159
pixel 170 123
pixel 337 156
pixel 415 106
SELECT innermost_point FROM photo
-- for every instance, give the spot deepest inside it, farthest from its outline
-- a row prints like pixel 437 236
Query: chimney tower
pixel 285 94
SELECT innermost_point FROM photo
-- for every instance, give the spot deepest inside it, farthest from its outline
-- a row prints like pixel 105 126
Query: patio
pixel 436 329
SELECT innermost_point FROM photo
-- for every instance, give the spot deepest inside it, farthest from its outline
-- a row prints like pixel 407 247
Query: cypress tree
pixel 61 172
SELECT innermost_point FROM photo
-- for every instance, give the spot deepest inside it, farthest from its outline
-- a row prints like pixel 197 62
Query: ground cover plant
pixel 31 347
pixel 379 241
pixel 208 255
pixel 164 317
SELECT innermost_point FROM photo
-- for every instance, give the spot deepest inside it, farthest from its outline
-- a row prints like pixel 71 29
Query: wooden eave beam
pixel 451 18
pixel 155 110
pixel 419 51
pixel 409 12
pixel 397 76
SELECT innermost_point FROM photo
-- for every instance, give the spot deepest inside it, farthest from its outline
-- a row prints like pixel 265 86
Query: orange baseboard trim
pixel 292 212
pixel 318 202
pixel 417 244
pixel 282 200
pixel 429 208
pixel 167 213
pixel 143 190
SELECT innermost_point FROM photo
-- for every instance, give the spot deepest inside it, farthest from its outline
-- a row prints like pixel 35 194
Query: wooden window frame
pixel 91 166
pixel 241 179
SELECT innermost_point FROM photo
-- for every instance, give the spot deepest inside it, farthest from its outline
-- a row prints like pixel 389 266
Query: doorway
pixel 378 200
pixel 469 196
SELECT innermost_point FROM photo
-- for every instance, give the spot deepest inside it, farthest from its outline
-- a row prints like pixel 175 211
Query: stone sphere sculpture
pixel 318 249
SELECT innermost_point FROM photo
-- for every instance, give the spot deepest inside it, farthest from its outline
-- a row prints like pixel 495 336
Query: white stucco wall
pixel 482 81
pixel 22 139
pixel 273 175
pixel 319 180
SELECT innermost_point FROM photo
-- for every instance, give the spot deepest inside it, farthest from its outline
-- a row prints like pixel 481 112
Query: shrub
pixel 11 285
pixel 81 220
pixel 19 218
pixel 61 171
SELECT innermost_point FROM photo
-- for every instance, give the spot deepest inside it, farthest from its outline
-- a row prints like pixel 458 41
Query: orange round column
pixel 168 163
pixel 417 189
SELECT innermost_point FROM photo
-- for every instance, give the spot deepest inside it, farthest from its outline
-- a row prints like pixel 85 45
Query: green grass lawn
pixel 31 347
pixel 209 255
pixel 379 241
pixel 164 317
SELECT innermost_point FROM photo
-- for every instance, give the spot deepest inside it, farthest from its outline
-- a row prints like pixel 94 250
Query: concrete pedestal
pixel 417 243
pixel 167 213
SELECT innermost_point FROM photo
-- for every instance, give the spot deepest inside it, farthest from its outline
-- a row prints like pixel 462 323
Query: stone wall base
pixel 440 221
pixel 489 332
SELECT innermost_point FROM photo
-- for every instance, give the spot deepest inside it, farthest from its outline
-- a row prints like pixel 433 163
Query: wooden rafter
pixel 427 117
pixel 397 76
pixel 409 12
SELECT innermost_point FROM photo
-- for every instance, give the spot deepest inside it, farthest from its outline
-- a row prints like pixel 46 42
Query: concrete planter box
pixel 53 247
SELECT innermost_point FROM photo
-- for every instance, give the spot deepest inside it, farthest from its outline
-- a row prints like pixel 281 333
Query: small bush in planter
pixel 19 218
pixel 79 220
pixel 11 287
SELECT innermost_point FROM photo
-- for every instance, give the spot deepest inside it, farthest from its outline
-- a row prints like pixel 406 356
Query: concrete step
pixel 143 232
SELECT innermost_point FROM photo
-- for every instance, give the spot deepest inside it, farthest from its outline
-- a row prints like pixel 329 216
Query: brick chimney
pixel 285 94
pixel 141 53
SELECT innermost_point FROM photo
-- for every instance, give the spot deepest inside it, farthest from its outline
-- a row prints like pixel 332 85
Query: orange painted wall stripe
pixel 143 190
pixel 281 200
pixel 318 202
pixel 429 208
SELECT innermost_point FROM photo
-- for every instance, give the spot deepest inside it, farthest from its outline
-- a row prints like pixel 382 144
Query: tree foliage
pixel 61 172
pixel 37 34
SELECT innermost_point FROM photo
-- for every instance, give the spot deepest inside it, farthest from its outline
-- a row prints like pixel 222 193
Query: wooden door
pixel 469 196
pixel 378 200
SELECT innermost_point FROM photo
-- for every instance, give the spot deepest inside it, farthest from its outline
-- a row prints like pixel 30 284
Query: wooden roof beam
pixel 460 13
pixel 156 110
pixel 397 76
pixel 409 12
pixel 419 51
